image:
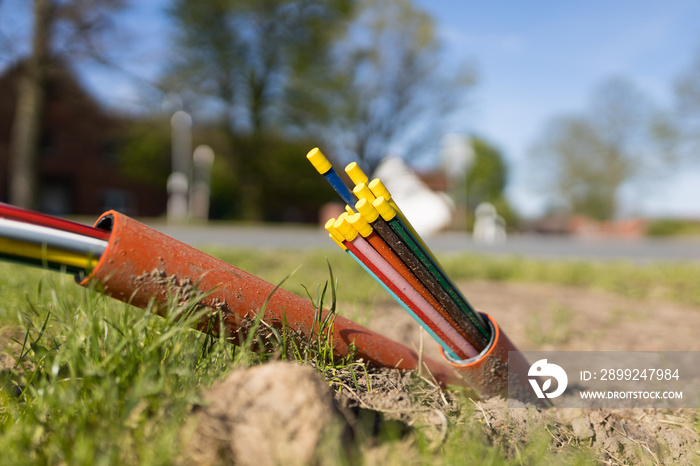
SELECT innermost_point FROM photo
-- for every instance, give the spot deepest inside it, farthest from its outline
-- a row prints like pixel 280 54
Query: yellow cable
pixel 356 174
pixel 318 160
pixel 41 252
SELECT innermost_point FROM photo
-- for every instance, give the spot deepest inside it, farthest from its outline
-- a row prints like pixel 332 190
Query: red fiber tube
pixel 23 215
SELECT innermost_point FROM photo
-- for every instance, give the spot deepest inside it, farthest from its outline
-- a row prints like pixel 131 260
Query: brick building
pixel 78 164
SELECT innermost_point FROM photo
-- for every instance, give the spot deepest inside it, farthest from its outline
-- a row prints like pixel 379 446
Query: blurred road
pixel 549 247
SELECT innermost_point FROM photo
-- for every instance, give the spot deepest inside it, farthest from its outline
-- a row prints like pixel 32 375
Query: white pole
pixel 203 159
pixel 178 182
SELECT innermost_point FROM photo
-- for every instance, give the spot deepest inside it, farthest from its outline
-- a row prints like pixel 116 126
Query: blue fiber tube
pixel 325 168
pixel 341 188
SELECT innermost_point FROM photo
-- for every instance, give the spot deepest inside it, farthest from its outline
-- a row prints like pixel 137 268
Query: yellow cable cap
pixel 318 160
pixel 378 189
pixel 365 208
pixel 362 192
pixel 355 173
pixel 333 231
pixel 329 224
pixel 360 225
pixel 384 208
pixel 344 228
pixel 337 241
pixel 349 210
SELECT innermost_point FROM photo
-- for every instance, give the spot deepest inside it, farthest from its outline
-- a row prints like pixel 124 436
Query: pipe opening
pixel 480 355
pixel 105 223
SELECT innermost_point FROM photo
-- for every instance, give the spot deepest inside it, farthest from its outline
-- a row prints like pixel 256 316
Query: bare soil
pixel 551 317
pixel 535 317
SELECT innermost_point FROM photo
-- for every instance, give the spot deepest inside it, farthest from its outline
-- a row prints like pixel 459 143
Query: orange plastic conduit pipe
pixel 141 265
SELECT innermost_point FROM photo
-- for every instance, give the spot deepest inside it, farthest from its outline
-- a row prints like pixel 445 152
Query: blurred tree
pixel 585 159
pixel 488 176
pixel 65 30
pixel 291 191
pixel 679 129
pixel 26 130
pixel 487 180
pixel 145 152
pixel 244 59
pixel 688 93
pixel 390 90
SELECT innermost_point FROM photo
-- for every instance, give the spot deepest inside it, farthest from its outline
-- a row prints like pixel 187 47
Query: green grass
pixel 94 381
pixel 97 382
pixel 666 227
pixel 672 281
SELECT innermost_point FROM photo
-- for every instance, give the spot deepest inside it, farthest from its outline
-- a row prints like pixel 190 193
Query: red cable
pixel 23 215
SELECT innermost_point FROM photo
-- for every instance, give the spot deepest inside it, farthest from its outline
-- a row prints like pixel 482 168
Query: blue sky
pixel 538 59
pixel 534 59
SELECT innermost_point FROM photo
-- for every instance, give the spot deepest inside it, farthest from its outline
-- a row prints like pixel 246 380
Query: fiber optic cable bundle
pixel 36 239
pixel 374 231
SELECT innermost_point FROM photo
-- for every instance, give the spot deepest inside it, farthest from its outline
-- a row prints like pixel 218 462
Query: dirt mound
pixel 276 413
pixel 285 413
